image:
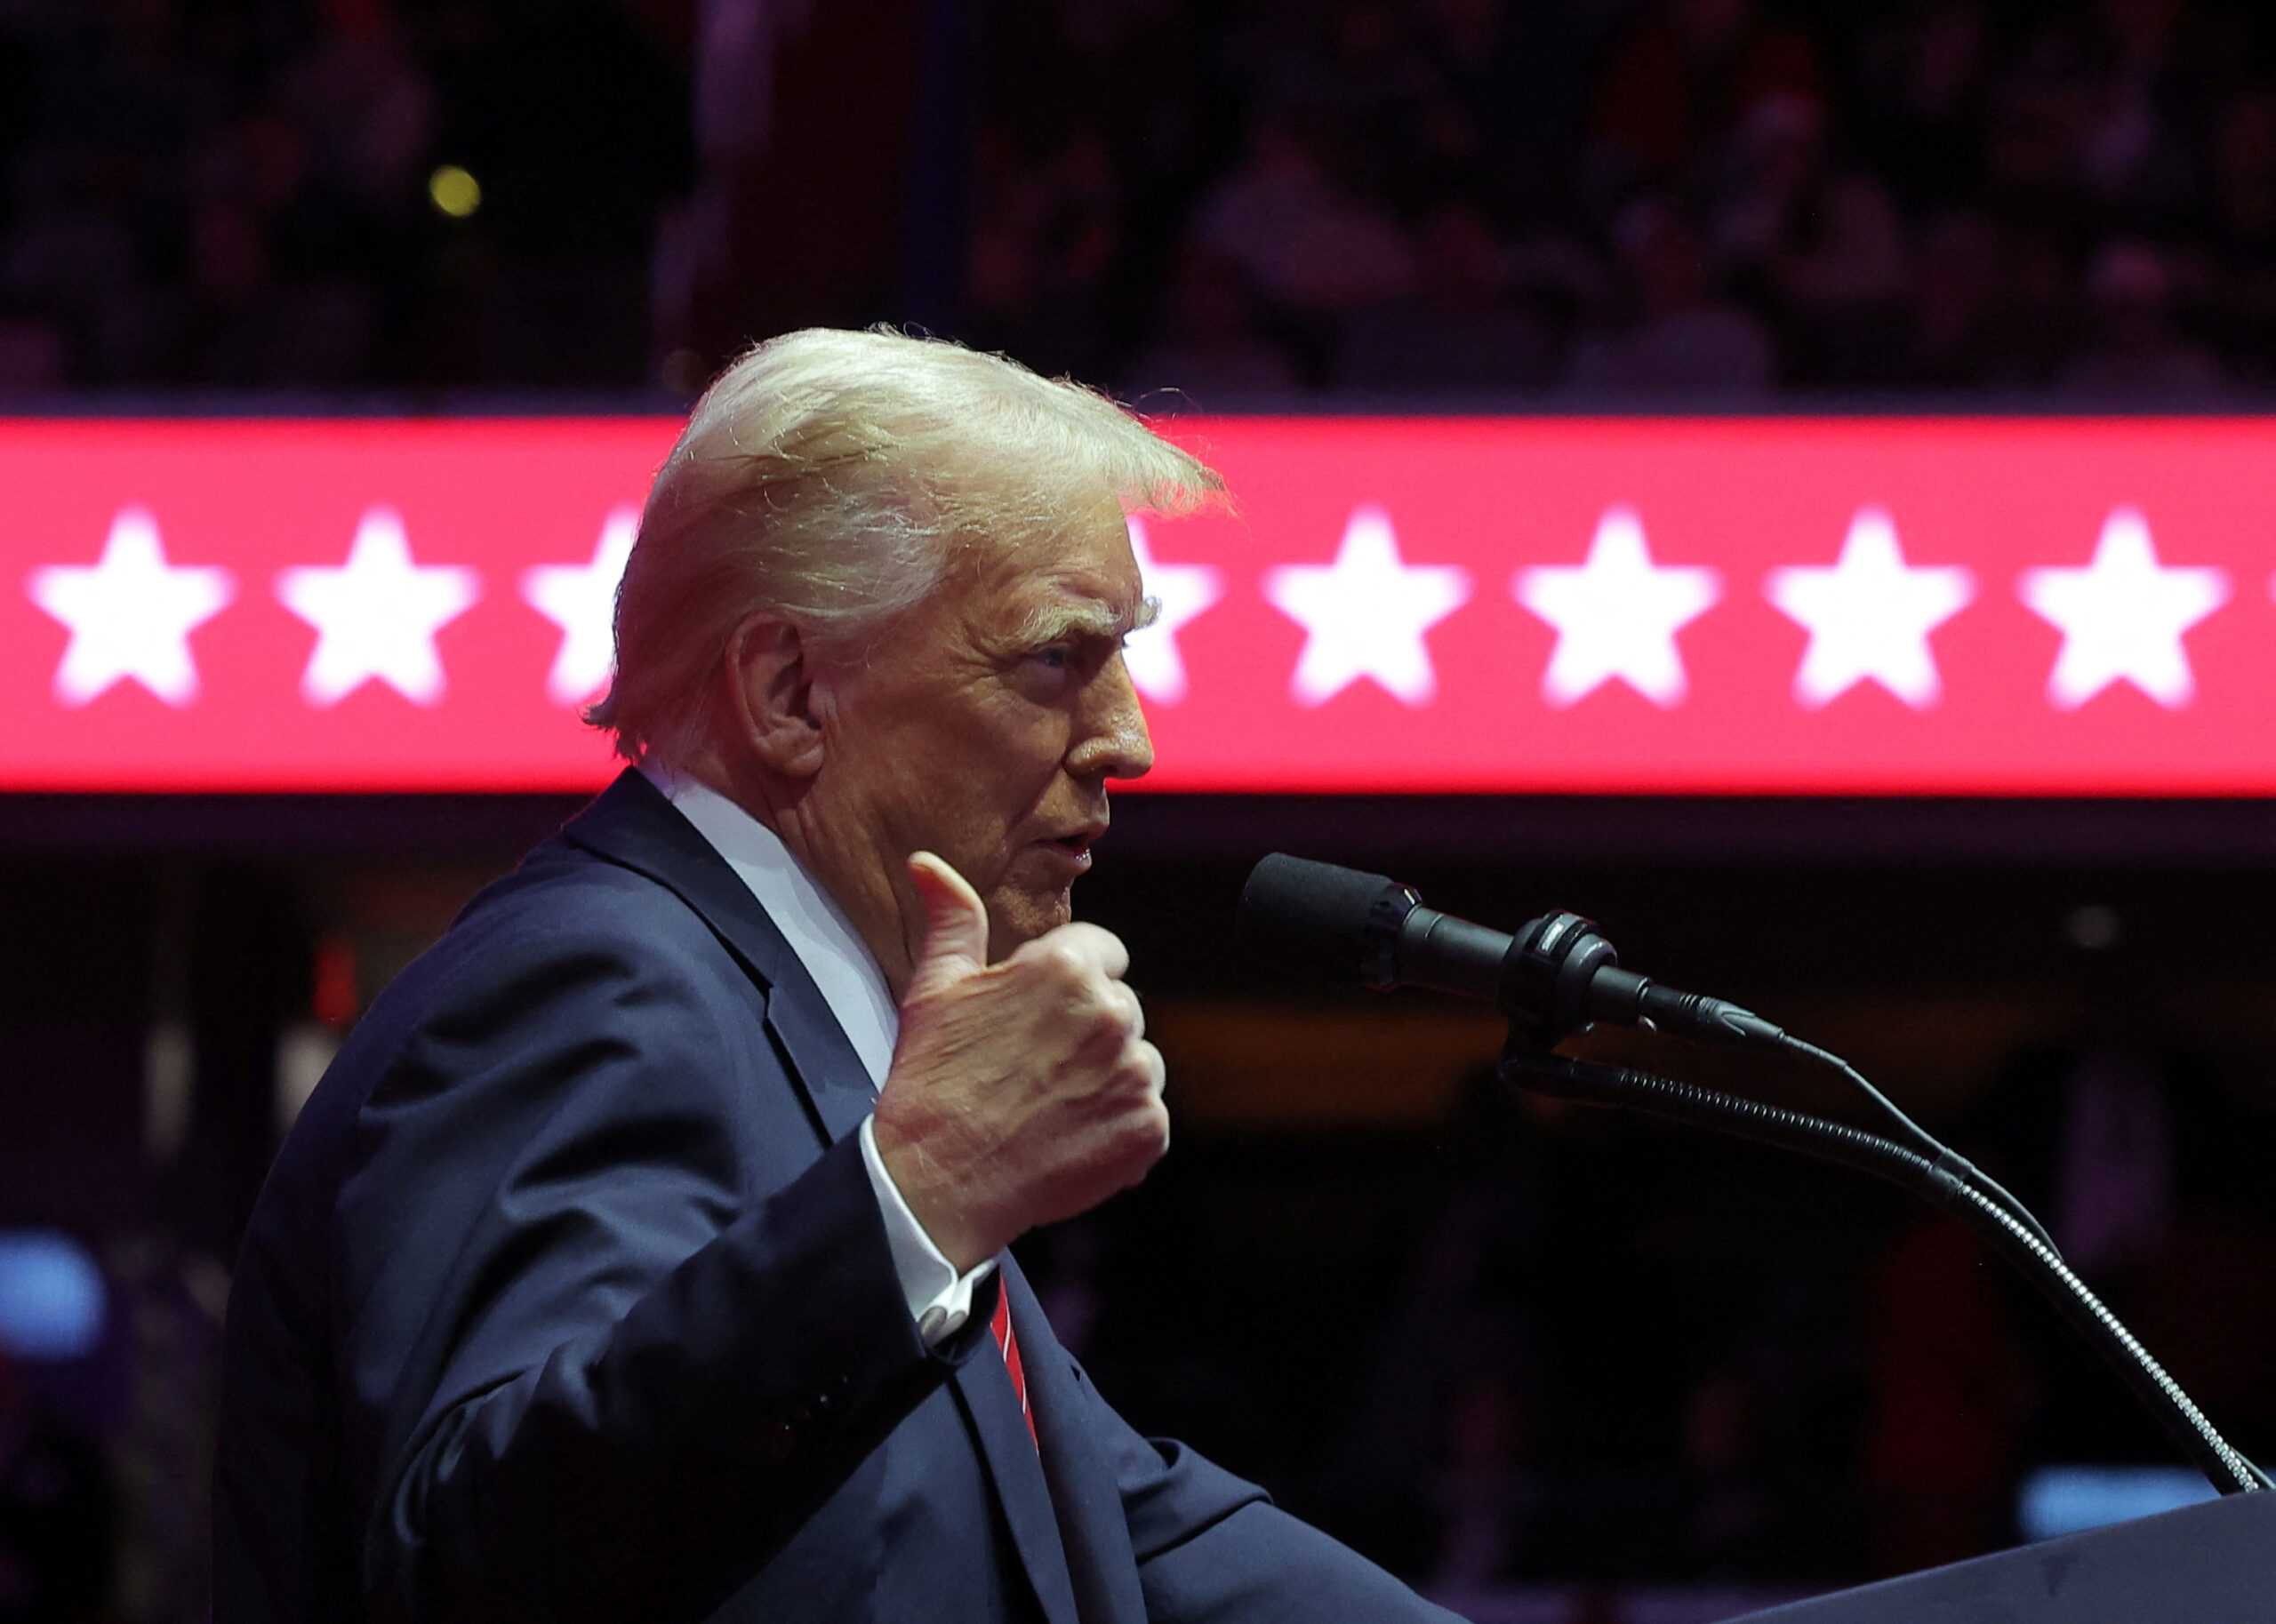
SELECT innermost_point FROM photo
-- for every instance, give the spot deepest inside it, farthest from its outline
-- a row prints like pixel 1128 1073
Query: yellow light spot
pixel 454 191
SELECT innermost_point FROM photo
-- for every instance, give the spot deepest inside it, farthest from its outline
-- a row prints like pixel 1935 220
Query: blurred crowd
pixel 1242 198
pixel 249 194
pixel 1687 196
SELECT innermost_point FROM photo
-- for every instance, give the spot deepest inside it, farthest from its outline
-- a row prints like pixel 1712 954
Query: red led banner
pixel 1890 606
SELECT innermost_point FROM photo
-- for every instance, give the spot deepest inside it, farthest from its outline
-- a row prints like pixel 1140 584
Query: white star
pixel 1180 592
pixel 131 614
pixel 1869 616
pixel 2122 616
pixel 1365 615
pixel 377 615
pixel 580 599
pixel 1616 615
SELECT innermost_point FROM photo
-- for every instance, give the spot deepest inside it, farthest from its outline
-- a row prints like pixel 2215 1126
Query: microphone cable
pixel 1911 1135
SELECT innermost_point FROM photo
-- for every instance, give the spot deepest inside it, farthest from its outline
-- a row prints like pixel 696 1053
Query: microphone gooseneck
pixel 1944 1181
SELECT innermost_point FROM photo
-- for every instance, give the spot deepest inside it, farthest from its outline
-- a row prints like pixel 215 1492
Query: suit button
pixel 782 1439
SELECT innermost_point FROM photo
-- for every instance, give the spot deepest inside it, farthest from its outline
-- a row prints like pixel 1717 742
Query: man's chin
pixel 1016 918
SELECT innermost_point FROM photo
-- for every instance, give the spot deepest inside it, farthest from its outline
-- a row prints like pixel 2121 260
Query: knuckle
pixel 1066 964
pixel 1141 1068
pixel 1113 1014
pixel 1145 1138
pixel 1104 1035
pixel 1097 935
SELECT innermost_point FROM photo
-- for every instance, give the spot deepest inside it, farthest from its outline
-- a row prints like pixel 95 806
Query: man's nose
pixel 1113 742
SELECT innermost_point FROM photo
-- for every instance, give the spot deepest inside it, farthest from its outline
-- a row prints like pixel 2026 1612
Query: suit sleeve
pixel 1258 1565
pixel 1214 1550
pixel 605 1361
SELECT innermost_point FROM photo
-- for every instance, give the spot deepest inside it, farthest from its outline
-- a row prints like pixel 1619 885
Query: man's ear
pixel 771 677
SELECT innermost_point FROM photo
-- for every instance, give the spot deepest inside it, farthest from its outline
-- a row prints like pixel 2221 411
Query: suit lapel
pixel 837 1083
pixel 984 1390
pixel 1093 1532
pixel 634 825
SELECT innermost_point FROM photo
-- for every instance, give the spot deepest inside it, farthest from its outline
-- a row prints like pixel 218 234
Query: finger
pixel 1134 1012
pixel 1153 1121
pixel 1157 1070
pixel 956 925
pixel 1085 946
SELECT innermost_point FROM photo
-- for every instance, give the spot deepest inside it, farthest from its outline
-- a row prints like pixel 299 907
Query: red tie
pixel 1002 1326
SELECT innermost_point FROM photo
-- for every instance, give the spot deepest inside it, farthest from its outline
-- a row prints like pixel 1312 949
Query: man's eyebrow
pixel 1085 617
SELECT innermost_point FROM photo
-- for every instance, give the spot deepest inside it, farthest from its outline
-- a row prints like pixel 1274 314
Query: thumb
pixel 956 923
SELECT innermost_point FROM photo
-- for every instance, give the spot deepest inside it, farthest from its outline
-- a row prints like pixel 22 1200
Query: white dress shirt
pixel 939 1298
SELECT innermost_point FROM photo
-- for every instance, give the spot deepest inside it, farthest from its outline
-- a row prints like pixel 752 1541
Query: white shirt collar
pixel 842 967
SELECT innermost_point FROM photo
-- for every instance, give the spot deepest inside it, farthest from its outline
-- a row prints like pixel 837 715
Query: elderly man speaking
pixel 641 1258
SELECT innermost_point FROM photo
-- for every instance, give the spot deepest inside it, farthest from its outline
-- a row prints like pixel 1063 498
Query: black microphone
pixel 1556 976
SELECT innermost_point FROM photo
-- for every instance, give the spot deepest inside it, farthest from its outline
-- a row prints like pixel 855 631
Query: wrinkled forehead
pixel 1073 572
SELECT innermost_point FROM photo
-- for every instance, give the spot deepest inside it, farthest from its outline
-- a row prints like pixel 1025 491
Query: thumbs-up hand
pixel 1022 1092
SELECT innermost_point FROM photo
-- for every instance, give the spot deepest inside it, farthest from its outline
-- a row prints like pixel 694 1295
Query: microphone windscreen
pixel 1309 917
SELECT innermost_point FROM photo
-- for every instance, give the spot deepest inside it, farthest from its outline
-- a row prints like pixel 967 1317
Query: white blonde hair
pixel 826 475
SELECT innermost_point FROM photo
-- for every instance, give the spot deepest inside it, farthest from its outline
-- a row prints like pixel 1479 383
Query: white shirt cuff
pixel 939 1298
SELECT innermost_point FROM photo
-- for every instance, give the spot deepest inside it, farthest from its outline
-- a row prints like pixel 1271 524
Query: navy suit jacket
pixel 568 1298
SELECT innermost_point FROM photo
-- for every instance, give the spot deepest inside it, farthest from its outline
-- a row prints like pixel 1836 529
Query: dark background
pixel 1507 1347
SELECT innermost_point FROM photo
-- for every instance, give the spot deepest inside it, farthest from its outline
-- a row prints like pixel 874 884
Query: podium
pixel 2210 1564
